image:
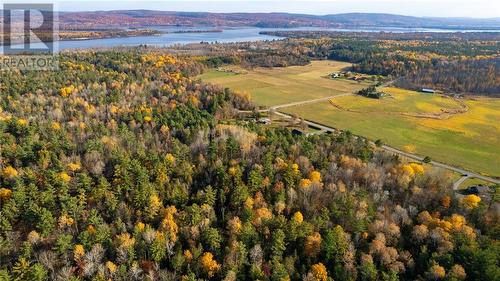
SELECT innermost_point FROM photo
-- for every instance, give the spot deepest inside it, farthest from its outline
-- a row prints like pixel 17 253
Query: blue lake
pixel 241 34
pixel 169 39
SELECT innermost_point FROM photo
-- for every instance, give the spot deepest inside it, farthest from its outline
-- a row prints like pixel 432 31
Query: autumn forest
pixel 125 166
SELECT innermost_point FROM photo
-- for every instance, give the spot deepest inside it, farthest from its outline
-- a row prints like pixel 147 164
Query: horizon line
pixel 289 13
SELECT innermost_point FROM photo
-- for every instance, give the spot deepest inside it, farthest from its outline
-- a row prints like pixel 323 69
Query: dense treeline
pixel 258 59
pixel 122 166
pixel 482 76
pixel 247 54
pixel 464 67
pixel 421 36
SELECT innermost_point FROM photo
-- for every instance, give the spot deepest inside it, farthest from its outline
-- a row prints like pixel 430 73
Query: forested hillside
pixel 142 18
pixel 123 166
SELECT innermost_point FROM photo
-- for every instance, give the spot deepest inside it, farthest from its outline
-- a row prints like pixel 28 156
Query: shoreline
pixel 115 34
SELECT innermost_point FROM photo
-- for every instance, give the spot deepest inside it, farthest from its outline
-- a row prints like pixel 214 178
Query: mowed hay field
pixel 281 85
pixel 468 139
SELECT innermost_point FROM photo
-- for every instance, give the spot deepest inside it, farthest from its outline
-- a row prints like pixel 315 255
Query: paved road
pixel 252 111
pixel 275 107
pixel 308 101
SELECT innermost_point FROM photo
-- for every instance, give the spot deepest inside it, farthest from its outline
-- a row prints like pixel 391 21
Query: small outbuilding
pixel 428 91
pixel 265 121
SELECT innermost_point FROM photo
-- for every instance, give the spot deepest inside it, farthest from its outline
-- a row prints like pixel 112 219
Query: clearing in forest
pixel 281 85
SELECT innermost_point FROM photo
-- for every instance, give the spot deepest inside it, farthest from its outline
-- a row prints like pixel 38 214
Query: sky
pixel 429 8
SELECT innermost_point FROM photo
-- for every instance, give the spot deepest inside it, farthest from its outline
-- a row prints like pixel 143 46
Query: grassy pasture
pixel 473 181
pixel 399 101
pixel 470 140
pixel 275 86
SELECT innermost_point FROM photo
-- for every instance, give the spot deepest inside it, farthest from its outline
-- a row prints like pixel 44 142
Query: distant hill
pixel 145 18
pixel 141 18
pixel 371 19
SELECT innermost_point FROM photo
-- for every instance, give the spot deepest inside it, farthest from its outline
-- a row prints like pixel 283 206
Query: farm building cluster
pixel 350 75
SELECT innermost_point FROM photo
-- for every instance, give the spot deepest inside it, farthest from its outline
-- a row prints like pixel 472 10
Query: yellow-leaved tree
pixel 5 194
pixel 312 244
pixel 298 218
pixel 315 176
pixel 305 183
pixel 209 265
pixel 78 252
pixel 436 272
pixel 319 272
pixel 9 172
pixel 471 201
pixel 169 225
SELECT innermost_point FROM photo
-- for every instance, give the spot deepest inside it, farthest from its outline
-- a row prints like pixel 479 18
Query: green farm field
pixel 275 86
pixel 415 122
pixel 472 181
pixel 463 133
